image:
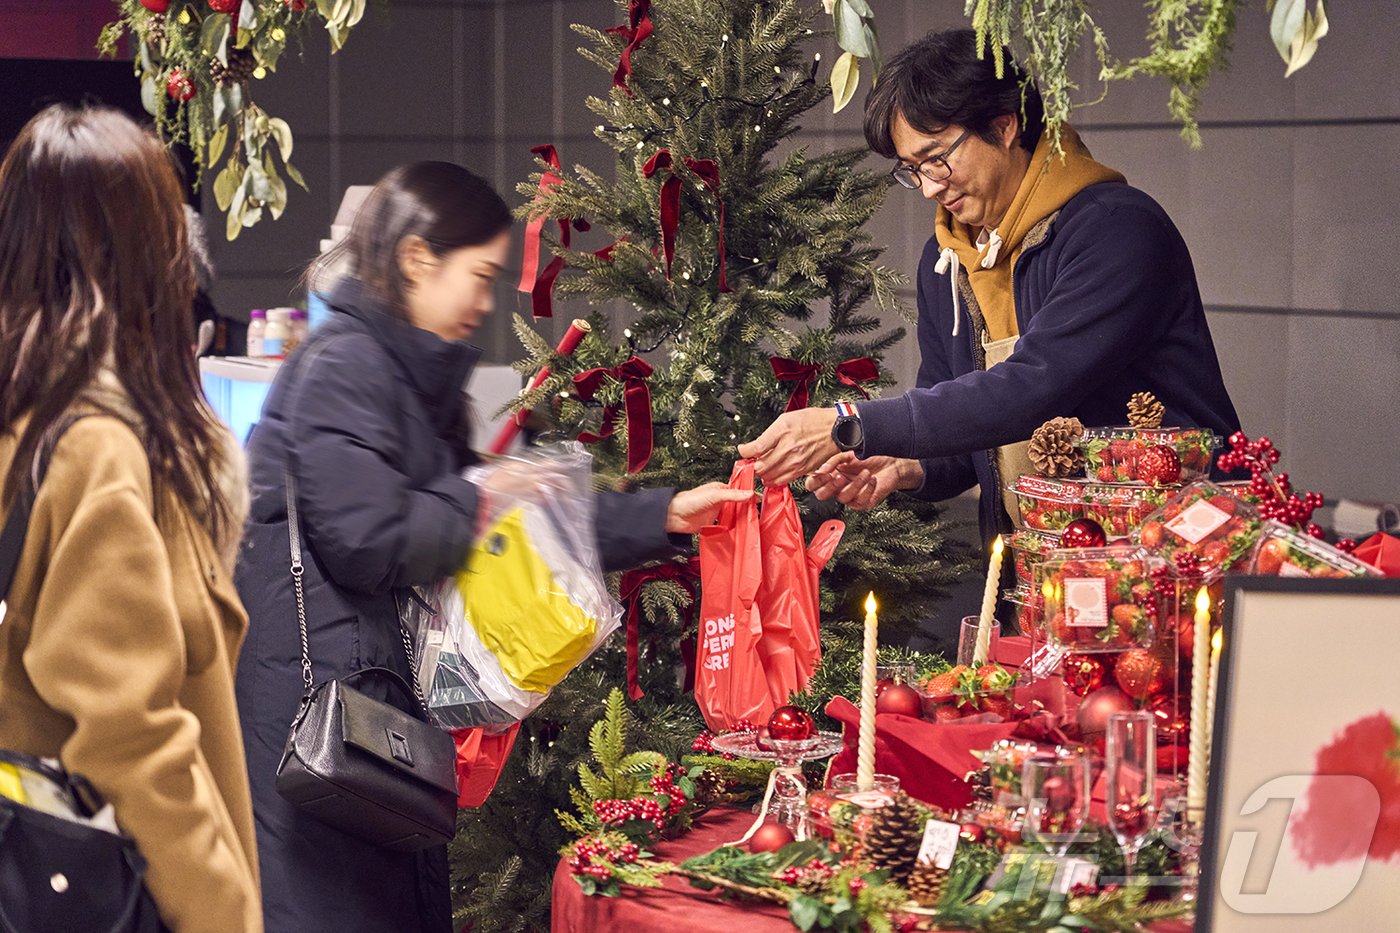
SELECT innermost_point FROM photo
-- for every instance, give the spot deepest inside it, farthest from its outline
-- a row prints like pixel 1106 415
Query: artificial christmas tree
pixel 746 273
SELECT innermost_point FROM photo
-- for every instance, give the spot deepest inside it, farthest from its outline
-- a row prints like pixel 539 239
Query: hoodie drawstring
pixel 993 247
pixel 948 260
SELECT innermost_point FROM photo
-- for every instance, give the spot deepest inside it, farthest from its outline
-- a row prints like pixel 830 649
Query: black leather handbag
pixel 58 875
pixel 379 771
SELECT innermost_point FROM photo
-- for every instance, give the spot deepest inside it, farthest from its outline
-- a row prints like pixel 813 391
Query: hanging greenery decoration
pixel 197 61
pixel 1189 41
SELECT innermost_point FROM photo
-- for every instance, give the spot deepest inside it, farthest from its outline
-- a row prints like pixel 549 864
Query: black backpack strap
pixel 17 525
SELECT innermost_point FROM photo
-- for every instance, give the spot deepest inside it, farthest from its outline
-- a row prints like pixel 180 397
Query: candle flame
pixel 870 603
pixel 1202 600
pixel 996 547
pixel 1216 641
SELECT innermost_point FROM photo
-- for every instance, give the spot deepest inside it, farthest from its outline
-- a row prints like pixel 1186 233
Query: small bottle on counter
pixel 299 325
pixel 278 333
pixel 257 331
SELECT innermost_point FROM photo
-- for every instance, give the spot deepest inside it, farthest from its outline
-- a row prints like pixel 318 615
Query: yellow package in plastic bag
pixel 10 785
pixel 520 611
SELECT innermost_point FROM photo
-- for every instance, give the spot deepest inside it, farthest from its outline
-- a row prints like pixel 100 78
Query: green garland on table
pixel 197 61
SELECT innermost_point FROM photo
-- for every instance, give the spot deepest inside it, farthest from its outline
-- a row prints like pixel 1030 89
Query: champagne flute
pixel 1056 791
pixel 1130 775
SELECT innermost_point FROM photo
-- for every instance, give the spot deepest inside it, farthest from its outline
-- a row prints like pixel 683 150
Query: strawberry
pixel 946 714
pixel 1272 554
pixel 1136 671
pixel 1224 503
pixel 1105 473
pixel 993 678
pixel 1151 534
pixel 940 688
pixel 997 706
pixel 1216 552
pixel 1159 466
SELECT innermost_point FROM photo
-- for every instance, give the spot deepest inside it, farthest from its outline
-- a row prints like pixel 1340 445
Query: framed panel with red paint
pixel 1303 822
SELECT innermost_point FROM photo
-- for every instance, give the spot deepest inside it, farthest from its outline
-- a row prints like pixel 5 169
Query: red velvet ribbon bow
pixel 851 373
pixel 540 285
pixel 636 399
pixel 634 33
pixel 685 575
pixel 708 172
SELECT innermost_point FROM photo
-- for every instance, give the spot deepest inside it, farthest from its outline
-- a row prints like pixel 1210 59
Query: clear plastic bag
pixel 530 605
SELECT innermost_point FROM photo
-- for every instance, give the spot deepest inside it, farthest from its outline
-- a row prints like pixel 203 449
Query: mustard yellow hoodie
pixel 1049 184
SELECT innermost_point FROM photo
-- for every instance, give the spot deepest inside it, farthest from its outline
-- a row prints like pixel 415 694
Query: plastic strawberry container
pixel 1205 520
pixel 1120 508
pixel 1029 548
pixel 1029 606
pixel 1283 551
pixel 1099 599
pixel 1111 455
pixel 1047 504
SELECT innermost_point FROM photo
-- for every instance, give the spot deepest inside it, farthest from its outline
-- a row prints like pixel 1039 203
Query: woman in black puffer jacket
pixel 370 419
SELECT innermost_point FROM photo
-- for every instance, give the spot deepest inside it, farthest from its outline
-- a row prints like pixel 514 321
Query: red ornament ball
pixel 770 837
pixel 1159 465
pixel 819 803
pixel 156 6
pixel 179 86
pixel 1098 706
pixel 225 6
pixel 972 832
pixel 1083 674
pixel 900 698
pixel 1139 673
pixel 791 724
pixel 1083 532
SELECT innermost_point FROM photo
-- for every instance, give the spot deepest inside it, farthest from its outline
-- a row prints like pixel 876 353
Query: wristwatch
pixel 847 431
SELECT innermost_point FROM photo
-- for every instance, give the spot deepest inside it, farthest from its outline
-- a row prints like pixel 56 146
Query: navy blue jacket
pixel 367 417
pixel 1106 305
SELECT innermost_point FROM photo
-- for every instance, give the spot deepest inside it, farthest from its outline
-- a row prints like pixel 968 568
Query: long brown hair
pixel 95 272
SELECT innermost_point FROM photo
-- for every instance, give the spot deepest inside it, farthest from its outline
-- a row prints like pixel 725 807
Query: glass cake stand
pixel 786 797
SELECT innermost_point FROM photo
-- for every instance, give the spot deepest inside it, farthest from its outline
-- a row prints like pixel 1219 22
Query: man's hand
pixel 864 484
pixel 794 444
pixel 693 509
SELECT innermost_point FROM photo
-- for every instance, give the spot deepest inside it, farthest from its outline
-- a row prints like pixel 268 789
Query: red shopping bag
pixel 788 600
pixel 730 683
pixel 480 759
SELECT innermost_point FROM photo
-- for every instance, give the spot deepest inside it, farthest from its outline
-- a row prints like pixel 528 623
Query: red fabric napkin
pixel 1381 551
pixel 931 759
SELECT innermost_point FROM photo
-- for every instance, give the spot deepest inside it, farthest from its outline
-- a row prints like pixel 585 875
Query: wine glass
pixel 1130 773
pixel 1056 791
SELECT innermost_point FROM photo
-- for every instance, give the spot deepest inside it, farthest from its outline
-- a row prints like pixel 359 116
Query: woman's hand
pixel 693 509
pixel 863 484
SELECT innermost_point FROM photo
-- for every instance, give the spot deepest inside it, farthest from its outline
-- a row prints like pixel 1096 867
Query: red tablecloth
pixel 678 906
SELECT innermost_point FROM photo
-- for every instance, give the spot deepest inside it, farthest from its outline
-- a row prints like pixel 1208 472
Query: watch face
pixel 847 432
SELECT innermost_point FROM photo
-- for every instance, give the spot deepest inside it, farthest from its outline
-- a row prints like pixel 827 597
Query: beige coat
pixel 117 657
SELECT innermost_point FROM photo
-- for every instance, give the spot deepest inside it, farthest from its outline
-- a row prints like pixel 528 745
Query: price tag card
pixel 939 845
pixel 1075 871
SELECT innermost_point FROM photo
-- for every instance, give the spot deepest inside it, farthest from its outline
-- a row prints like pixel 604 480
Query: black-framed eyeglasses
pixel 934 168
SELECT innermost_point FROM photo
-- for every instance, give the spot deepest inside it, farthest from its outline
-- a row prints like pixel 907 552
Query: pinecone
pixel 1053 448
pixel 155 32
pixel 925 884
pixel 1144 411
pixel 710 785
pixel 241 64
pixel 896 832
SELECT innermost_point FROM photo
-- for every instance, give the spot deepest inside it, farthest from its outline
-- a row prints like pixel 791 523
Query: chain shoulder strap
pixel 298 569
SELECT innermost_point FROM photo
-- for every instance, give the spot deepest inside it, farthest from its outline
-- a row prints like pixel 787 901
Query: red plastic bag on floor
pixel 788 600
pixel 730 682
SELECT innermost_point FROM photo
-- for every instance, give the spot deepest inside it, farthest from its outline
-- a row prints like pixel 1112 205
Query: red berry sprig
pixel 596 858
pixel 1272 491
pixel 704 742
pixel 814 874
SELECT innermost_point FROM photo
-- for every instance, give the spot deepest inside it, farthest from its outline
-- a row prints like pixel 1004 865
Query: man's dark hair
pixel 939 81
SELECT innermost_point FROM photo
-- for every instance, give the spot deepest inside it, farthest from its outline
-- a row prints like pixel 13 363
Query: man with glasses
pixel 1050 288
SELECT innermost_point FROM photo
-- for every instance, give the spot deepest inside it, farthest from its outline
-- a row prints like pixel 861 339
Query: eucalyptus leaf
pixel 234 224
pixel 282 132
pixel 147 64
pixel 148 94
pixel 220 106
pixel 1285 24
pixel 852 33
pixel 357 13
pixel 225 184
pixel 804 910
pixel 845 77
pixel 295 176
pixel 248 17
pixel 278 202
pixel 1304 45
pixel 216 145
pixel 213 36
